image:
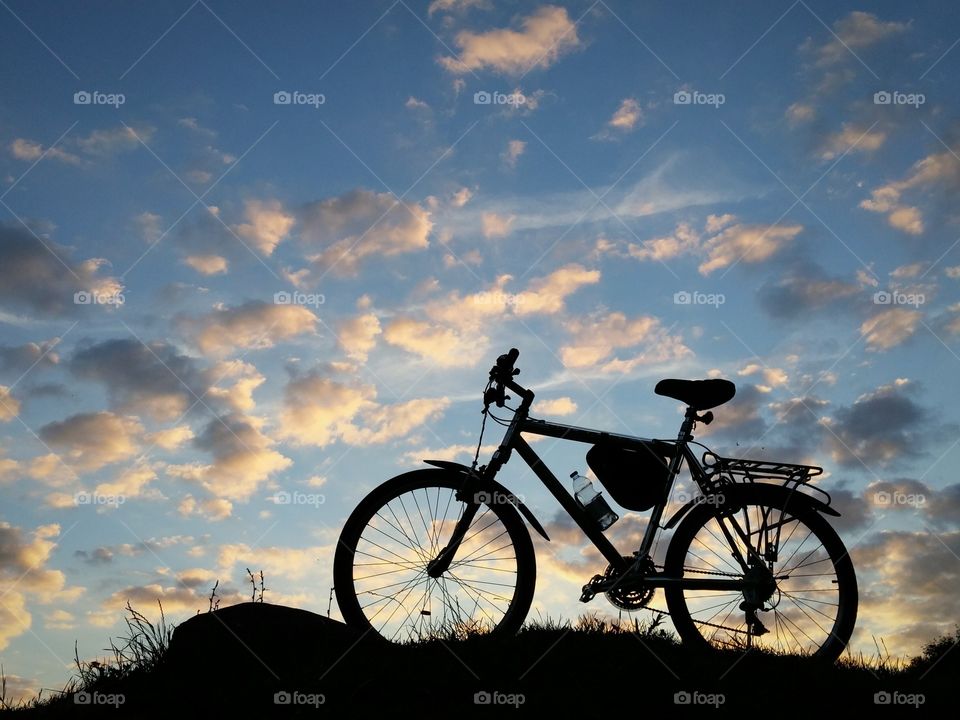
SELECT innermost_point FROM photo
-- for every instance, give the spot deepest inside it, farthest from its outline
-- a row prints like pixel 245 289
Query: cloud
pixel 880 427
pixel 30 151
pixel 461 197
pixel 494 226
pixel 515 148
pixel 440 345
pixel 154 379
pixel 18 359
pixel 746 243
pixel 255 324
pixel 23 572
pixel 114 140
pixel 545 36
pixel 595 340
pixel 800 112
pixel 772 377
pixel 148 224
pixel 626 118
pixel 857 31
pixel 455 5
pixel 683 240
pixel 89 441
pixel 344 231
pixel 724 245
pixel 267 225
pixel 852 138
pixel 890 328
pixel 557 406
pixel 413 103
pixel 358 335
pixel 243 457
pixel 803 289
pixel 9 405
pixel 319 410
pixel 212 509
pixel 933 170
pixel 39 276
pixel 207 264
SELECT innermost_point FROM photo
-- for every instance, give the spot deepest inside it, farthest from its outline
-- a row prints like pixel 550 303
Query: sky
pixel 257 258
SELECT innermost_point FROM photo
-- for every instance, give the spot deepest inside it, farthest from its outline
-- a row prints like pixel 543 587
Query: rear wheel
pixel 380 566
pixel 804 591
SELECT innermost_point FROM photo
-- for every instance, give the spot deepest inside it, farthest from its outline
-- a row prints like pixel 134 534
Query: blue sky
pixel 760 194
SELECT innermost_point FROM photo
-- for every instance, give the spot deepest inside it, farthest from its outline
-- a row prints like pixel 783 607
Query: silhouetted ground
pixel 268 661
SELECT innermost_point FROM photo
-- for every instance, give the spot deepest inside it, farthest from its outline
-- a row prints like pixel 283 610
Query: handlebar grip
pixel 505 362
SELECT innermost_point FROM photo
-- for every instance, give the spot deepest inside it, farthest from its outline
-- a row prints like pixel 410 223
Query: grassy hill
pixel 258 658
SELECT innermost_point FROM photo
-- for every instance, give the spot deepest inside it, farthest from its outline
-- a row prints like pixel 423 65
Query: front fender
pixel 493 487
pixel 738 490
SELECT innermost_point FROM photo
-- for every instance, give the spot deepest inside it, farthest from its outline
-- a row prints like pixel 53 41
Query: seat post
pixel 686 428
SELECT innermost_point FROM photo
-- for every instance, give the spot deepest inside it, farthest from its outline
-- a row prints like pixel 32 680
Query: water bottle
pixel 592 501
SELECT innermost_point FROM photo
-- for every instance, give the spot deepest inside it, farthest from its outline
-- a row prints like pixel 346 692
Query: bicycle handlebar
pixel 501 378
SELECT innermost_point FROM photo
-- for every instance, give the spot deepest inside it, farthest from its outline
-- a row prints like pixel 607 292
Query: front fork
pixel 441 563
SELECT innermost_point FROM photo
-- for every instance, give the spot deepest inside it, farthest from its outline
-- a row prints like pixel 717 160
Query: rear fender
pixel 739 491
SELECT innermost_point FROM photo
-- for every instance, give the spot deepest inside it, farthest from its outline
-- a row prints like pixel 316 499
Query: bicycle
pixel 752 562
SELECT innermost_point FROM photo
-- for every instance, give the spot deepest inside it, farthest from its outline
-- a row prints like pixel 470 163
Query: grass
pixel 550 664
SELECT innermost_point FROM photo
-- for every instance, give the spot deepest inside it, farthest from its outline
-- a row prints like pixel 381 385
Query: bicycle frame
pixel 512 440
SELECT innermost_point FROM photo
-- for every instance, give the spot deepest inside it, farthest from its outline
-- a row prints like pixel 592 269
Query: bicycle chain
pixel 700 622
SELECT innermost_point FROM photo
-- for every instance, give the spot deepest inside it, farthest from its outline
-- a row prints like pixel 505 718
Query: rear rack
pixel 742 470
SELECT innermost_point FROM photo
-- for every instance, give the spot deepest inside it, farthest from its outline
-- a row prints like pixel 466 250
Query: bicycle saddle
pixel 698 394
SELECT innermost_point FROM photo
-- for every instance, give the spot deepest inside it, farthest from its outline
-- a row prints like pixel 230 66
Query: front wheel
pixel 802 599
pixel 380 566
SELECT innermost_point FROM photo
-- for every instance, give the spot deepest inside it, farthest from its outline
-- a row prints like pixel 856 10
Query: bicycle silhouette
pixel 752 561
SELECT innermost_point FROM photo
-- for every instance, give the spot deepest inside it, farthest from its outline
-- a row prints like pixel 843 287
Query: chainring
pixel 630 598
